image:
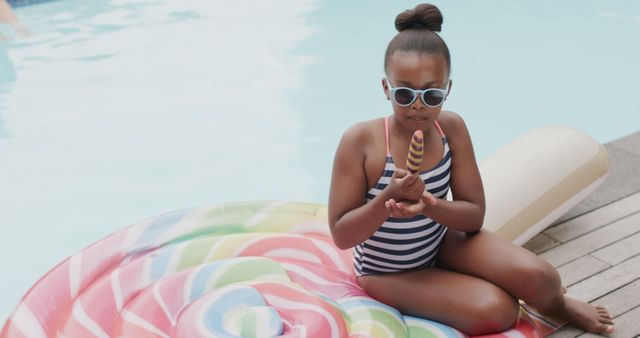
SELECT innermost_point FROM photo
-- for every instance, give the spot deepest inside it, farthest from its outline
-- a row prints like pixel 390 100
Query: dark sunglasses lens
pixel 433 97
pixel 404 96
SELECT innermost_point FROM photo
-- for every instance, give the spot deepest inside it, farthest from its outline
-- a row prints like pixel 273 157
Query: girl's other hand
pixel 409 209
pixel 405 185
pixel 399 181
pixel 415 189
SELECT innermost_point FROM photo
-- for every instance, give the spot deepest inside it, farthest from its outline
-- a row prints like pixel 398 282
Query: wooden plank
pixel 630 143
pixel 621 300
pixel 593 241
pixel 619 251
pixel 580 269
pixel 607 281
pixel 541 243
pixel 566 331
pixel 617 302
pixel 595 219
pixel 626 325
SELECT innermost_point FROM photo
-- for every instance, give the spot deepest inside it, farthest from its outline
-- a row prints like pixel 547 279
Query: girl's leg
pixel 469 304
pixel 520 273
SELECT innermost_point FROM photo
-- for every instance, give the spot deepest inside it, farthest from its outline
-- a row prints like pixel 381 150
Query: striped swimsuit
pixel 404 243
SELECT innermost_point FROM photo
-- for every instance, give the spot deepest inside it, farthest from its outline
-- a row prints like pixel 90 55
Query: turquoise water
pixel 114 111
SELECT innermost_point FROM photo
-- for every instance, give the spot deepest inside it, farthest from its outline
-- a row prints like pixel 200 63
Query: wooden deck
pixel 598 257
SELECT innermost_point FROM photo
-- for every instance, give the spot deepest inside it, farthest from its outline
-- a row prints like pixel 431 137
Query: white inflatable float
pixel 534 180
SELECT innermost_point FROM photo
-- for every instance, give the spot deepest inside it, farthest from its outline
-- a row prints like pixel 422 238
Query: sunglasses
pixel 404 96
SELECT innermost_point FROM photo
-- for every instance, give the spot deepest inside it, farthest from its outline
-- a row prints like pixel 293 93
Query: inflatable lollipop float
pixel 270 269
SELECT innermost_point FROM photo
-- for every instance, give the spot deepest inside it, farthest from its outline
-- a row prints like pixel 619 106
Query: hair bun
pixel 423 16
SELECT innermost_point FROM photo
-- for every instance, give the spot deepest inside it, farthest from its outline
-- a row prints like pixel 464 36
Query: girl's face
pixel 418 72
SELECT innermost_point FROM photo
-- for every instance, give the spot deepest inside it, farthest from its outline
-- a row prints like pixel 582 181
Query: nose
pixel 418 104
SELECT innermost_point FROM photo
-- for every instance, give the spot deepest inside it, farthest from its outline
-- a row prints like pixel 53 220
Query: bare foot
pixel 591 318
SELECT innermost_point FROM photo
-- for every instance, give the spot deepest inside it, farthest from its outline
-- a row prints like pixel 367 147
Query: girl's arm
pixel 351 220
pixel 466 211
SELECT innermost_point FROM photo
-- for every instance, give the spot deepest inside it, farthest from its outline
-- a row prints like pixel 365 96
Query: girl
pixel 413 249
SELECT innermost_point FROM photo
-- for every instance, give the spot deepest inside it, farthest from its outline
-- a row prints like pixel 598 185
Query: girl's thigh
pixel 468 303
pixel 487 256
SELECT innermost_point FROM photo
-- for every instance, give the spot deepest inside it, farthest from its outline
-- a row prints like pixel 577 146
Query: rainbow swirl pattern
pixel 254 269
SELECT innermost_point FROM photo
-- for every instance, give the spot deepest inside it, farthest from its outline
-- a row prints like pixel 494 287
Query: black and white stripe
pixel 405 243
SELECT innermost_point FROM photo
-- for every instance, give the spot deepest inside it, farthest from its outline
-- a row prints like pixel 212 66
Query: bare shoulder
pixel 452 124
pixel 348 179
pixel 359 136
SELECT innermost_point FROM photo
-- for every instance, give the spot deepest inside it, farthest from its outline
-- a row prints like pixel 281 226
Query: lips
pixel 417 119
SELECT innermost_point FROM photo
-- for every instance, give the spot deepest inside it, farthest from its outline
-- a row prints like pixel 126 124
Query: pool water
pixel 113 111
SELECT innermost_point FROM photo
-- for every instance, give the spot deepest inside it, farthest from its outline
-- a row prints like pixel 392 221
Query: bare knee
pixel 494 311
pixel 537 281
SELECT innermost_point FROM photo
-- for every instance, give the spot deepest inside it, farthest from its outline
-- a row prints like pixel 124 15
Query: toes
pixel 605 315
pixel 606 321
pixel 600 328
pixel 602 311
pixel 604 328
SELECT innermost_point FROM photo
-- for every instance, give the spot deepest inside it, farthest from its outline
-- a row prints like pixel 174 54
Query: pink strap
pixel 439 129
pixel 386 133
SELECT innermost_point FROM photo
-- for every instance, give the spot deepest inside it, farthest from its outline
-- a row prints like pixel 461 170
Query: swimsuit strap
pixel 386 134
pixel 439 129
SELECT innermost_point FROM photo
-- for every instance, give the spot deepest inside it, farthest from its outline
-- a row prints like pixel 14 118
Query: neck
pixel 406 132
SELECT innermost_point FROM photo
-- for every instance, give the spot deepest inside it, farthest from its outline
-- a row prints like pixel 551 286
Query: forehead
pixel 417 68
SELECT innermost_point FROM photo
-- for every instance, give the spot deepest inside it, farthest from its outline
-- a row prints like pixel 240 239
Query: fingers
pixel 400 173
pixel 392 208
pixel 408 180
pixel 412 209
pixel 404 178
pixel 416 180
pixel 403 209
pixel 414 187
pixel 428 199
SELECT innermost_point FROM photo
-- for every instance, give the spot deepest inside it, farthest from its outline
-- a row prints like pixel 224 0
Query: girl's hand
pixel 405 185
pixel 408 209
